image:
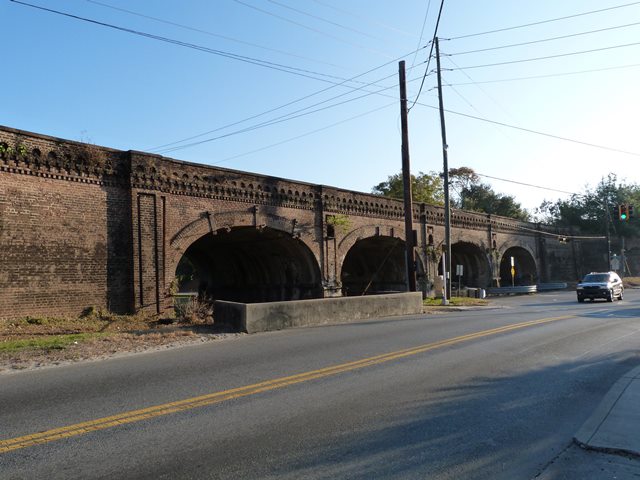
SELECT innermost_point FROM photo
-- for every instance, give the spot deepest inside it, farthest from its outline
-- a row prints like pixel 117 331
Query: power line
pixel 321 32
pixel 426 70
pixel 364 17
pixel 242 58
pixel 473 82
pixel 528 130
pixel 542 40
pixel 525 184
pixel 543 21
pixel 283 118
pixel 345 27
pixel 206 32
pixel 424 23
pixel 306 134
pixel 510 62
pixel 280 107
pixel 550 75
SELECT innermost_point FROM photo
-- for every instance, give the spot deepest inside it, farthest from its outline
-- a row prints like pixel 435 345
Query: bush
pixel 195 310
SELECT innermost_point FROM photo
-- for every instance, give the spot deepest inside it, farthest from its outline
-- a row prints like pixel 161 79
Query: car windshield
pixel 596 277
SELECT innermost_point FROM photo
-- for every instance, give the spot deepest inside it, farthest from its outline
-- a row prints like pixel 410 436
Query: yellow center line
pixel 256 388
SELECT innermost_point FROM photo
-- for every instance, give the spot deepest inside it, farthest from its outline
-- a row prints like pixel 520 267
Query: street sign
pixel 459 270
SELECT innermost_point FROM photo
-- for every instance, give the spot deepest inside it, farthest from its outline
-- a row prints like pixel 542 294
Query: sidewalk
pixel 608 444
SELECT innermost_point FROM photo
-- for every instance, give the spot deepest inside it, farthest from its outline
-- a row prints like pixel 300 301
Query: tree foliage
pixel 589 211
pixel 425 188
pixel 467 192
pixel 481 198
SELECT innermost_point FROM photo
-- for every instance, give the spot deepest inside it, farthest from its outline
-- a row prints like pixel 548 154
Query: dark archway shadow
pixel 524 268
pixel 476 272
pixel 248 264
pixel 374 265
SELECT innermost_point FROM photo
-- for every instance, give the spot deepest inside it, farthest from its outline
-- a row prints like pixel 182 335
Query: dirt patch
pixel 41 342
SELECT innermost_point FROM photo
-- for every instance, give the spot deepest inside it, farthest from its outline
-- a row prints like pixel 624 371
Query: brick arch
pixel 365 231
pixel 210 223
pixel 526 265
pixel 366 237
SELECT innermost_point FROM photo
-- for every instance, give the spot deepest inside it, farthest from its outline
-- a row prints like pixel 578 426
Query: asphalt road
pixel 494 393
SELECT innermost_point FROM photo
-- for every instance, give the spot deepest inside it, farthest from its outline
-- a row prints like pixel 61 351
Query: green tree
pixel 480 197
pixel 425 188
pixel 590 210
pixel 468 193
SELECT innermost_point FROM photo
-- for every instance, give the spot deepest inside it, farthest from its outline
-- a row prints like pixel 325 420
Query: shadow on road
pixel 502 409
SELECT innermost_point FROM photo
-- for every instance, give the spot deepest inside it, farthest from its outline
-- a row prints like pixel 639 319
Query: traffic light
pixel 623 213
pixel 630 210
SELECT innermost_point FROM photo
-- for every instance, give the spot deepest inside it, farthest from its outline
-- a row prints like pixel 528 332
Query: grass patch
pixel 631 281
pixel 456 302
pixel 53 342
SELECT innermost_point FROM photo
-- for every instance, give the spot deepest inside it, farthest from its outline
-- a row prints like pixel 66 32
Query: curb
pixel 585 436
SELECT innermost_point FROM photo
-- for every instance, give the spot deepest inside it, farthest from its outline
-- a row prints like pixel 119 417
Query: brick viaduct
pixel 82 225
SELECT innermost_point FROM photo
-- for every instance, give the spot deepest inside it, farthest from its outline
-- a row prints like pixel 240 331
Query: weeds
pixel 195 311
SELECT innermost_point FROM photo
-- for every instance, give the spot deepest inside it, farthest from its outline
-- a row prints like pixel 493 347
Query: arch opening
pixel 374 265
pixel 249 265
pixel 526 272
pixel 476 271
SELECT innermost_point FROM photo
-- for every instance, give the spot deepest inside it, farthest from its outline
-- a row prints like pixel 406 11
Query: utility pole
pixel 446 257
pixel 607 218
pixel 406 184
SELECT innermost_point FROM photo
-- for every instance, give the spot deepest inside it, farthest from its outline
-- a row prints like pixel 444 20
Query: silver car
pixel 607 285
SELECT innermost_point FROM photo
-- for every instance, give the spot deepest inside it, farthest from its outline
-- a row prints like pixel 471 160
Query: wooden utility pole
pixel 446 264
pixel 406 184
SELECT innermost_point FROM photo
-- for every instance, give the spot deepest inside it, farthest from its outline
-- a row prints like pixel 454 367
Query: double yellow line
pixel 133 416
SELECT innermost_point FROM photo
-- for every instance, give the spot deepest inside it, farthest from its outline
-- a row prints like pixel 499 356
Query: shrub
pixel 195 310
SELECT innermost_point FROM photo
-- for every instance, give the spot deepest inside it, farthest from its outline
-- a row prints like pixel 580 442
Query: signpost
pixel 459 272
pixel 513 272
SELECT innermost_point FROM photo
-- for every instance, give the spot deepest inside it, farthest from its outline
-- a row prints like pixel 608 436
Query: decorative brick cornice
pixel 30 154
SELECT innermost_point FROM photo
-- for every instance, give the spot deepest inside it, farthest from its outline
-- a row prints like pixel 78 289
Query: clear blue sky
pixel 82 81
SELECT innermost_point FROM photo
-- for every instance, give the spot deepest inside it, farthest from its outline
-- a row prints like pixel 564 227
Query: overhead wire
pixel 364 17
pixel 566 17
pixel 287 117
pixel 207 32
pixel 536 77
pixel 242 58
pixel 317 17
pixel 283 118
pixel 525 184
pixel 294 70
pixel 426 70
pixel 547 57
pixel 543 40
pixel 473 82
pixel 424 23
pixel 280 107
pixel 335 124
pixel 312 29
pixel 523 129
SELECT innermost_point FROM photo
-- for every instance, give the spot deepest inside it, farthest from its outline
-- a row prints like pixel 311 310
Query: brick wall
pixel 82 225
pixel 64 232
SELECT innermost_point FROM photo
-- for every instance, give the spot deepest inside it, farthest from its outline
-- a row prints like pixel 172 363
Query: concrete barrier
pixel 262 317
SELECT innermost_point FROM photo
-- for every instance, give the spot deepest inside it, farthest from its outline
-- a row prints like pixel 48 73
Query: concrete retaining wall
pixel 262 317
